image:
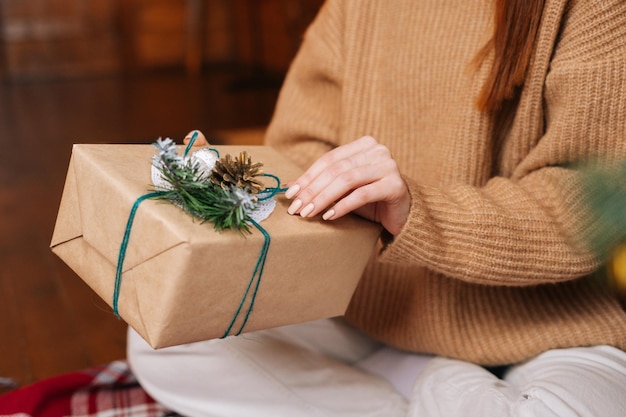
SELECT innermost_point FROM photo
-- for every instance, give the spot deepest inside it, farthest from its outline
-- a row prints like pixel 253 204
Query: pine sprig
pixel 192 190
pixel 605 194
pixel 605 191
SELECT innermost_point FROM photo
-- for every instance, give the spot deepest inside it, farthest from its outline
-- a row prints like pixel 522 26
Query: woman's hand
pixel 362 177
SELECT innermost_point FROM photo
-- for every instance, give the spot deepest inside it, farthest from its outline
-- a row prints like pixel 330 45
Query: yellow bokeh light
pixel 618 268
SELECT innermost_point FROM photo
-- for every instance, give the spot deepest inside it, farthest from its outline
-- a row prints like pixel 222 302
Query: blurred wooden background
pixel 122 71
pixel 67 38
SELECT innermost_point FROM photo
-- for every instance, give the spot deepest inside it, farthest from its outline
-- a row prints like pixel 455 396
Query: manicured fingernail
pixel 329 214
pixel 293 208
pixel 307 210
pixel 293 190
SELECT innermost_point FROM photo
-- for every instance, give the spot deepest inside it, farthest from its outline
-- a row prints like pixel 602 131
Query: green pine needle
pixel 192 190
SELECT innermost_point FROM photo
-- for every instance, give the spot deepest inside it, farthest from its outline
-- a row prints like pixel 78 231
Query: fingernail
pixel 307 210
pixel 293 208
pixel 329 214
pixel 293 190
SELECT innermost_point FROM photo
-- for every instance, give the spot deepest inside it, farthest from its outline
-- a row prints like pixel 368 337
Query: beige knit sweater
pixel 487 268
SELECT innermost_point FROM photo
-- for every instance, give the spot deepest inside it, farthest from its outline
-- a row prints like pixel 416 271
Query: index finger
pixel 326 160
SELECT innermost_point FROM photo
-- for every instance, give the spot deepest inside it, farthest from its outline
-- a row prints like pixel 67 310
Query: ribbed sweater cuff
pixel 396 248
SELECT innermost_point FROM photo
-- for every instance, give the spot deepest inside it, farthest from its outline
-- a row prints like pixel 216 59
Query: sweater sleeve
pixel 526 228
pixel 306 122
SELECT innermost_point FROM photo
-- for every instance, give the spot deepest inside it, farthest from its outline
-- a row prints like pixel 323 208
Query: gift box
pixel 182 281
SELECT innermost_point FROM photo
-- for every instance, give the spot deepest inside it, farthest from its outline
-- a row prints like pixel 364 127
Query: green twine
pixel 260 264
pixel 271 191
pixel 192 140
pixel 122 253
pixel 255 279
pixel 256 276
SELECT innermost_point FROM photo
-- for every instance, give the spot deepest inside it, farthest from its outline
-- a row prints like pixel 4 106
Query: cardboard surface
pixel 183 282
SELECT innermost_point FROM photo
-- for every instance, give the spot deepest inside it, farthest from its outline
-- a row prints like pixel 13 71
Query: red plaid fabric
pixel 104 391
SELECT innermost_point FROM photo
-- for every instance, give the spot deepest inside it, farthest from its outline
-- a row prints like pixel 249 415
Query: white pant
pixel 325 368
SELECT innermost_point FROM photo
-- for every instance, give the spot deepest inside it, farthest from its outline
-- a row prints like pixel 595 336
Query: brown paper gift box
pixel 182 281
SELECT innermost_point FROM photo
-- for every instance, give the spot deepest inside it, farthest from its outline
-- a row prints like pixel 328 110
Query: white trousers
pixel 326 368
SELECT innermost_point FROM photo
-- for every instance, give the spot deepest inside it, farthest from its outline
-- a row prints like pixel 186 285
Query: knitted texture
pixel 489 267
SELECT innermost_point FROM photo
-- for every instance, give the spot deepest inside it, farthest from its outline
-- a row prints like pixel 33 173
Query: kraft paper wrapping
pixel 182 281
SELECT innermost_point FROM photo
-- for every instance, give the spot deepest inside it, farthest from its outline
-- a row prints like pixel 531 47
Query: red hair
pixel 516 23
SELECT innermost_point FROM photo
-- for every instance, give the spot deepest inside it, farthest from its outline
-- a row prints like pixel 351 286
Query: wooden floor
pixel 50 322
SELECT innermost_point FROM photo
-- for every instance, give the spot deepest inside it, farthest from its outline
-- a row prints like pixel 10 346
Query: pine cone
pixel 239 171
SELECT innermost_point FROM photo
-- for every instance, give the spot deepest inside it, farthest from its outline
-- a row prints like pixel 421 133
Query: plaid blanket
pixel 104 391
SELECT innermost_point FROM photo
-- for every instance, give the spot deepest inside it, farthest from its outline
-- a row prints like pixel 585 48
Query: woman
pixel 475 121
